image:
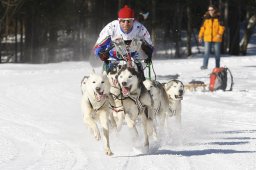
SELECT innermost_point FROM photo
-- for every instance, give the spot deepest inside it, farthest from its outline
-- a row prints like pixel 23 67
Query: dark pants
pixel 207 50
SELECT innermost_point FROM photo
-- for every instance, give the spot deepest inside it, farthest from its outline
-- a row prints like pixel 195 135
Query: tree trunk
pixel 90 25
pixel 225 41
pixel 21 40
pixel 0 41
pixel 120 3
pixel 28 38
pixel 52 43
pixel 153 31
pixel 247 35
pixel 189 30
pixel 177 28
pixel 234 26
pixel 16 40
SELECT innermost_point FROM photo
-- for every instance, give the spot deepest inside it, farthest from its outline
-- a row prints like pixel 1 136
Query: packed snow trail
pixel 41 124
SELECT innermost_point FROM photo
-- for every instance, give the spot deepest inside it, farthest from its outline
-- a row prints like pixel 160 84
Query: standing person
pixel 211 33
pixel 127 28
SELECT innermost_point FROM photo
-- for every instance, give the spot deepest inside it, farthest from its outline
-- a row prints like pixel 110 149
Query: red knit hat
pixel 126 12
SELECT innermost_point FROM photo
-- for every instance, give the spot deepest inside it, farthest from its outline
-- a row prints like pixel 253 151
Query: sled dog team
pixel 122 96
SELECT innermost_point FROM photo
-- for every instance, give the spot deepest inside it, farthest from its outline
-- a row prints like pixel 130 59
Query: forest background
pixel 46 31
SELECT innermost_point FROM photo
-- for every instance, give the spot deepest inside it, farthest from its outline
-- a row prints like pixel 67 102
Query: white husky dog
pixel 95 106
pixel 175 91
pixel 137 100
pixel 160 100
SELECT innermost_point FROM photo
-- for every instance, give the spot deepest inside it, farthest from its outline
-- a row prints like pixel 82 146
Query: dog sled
pixel 129 53
pixel 219 79
pixel 195 85
pixel 128 97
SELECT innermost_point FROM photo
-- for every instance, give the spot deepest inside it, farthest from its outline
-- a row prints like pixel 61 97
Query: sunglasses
pixel 126 20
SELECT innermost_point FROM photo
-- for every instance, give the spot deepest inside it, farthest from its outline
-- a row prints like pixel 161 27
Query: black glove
pixel 104 55
pixel 148 60
pixel 148 49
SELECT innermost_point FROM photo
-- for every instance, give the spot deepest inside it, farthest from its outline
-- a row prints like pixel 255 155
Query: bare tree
pixel 10 9
pixel 177 21
pixel 0 40
pixel 247 35
pixel 189 29
pixel 234 27
pixel 153 31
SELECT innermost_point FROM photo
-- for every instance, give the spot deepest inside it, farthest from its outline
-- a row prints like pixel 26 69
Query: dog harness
pixel 140 106
pixel 96 104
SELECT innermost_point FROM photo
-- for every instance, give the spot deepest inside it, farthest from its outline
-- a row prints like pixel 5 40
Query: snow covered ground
pixel 41 125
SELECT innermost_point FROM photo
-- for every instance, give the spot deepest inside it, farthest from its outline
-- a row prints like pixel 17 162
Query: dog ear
pixel 168 85
pixel 85 78
pixel 120 70
pixel 116 77
pixel 83 83
pixel 105 76
pixel 104 73
pixel 119 67
pixel 165 86
pixel 182 84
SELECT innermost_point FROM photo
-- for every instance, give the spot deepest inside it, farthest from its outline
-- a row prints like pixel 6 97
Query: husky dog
pixel 160 100
pixel 137 100
pixel 115 92
pixel 175 91
pixel 95 106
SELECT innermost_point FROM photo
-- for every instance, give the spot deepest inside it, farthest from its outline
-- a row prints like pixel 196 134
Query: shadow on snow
pixel 189 153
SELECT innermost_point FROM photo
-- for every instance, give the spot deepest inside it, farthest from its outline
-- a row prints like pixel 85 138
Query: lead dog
pixel 95 106
pixel 175 91
pixel 137 100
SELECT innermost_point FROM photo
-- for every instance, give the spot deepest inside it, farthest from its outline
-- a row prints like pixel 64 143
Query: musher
pixel 127 28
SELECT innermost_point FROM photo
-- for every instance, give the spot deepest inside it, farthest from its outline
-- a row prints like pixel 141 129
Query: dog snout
pixel 98 89
pixel 181 92
pixel 124 83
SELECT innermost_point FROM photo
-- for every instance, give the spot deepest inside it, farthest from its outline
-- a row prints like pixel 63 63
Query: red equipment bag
pixel 219 79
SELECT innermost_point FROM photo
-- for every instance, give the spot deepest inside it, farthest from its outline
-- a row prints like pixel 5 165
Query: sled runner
pixel 194 85
pixel 129 53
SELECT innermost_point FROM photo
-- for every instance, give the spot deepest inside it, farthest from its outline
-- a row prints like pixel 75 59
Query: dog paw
pixel 113 125
pixel 119 124
pixel 108 152
pixel 129 121
pixel 97 135
pixel 145 148
pixel 119 127
pixel 119 121
pixel 150 128
pixel 154 135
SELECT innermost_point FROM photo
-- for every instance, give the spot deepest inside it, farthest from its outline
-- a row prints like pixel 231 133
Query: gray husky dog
pixel 160 100
pixel 136 100
pixel 175 92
